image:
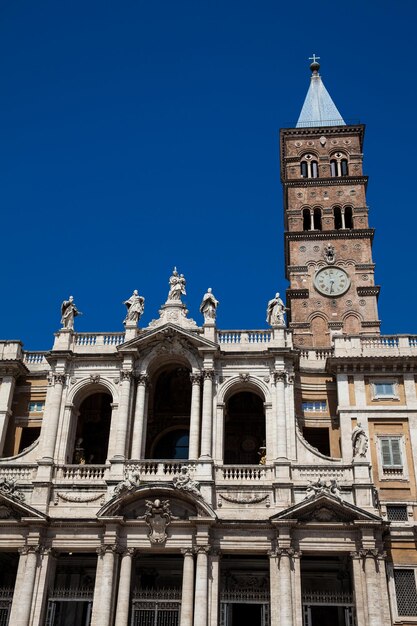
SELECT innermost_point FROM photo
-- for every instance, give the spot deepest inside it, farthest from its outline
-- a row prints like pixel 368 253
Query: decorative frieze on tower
pixel 328 242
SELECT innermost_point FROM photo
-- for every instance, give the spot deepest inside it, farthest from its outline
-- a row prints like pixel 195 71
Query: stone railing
pixel 19 473
pixel 233 337
pixel 314 358
pixel 81 473
pixel 381 345
pixel 243 473
pixel 35 358
pixel 311 473
pixel 98 340
pixel 149 470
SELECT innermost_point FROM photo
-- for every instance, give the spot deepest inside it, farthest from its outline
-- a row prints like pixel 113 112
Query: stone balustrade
pixel 97 342
pixel 243 473
pixel 149 470
pixel 310 473
pixel 81 473
pixel 20 473
pixel 382 345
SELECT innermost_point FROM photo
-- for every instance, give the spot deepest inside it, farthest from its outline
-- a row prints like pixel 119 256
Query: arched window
pixel 173 445
pixel 338 220
pixel 348 217
pixel 244 429
pixel 168 422
pixel 93 430
pixel 309 166
pixel 339 165
pixel 317 219
pixel 306 219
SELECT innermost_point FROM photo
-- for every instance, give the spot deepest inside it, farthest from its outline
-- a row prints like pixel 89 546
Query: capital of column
pixel 125 375
pixel 208 374
pixel 279 377
pixel 142 378
pixel 57 379
pixel 29 550
pixel 187 551
pixel 195 378
pixel 374 553
pixel 103 549
pixel 202 549
pixel 128 552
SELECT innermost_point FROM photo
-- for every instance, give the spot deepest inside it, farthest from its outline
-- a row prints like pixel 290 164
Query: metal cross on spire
pixel 314 58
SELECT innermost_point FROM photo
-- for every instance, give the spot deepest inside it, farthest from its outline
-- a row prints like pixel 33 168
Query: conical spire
pixel 318 108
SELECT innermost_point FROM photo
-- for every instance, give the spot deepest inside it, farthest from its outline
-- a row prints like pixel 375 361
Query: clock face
pixel 331 281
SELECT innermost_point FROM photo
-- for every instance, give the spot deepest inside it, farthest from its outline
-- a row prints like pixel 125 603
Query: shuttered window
pixel 391 452
pixel 406 592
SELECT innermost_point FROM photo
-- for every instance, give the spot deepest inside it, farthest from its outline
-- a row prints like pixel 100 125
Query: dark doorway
pixel 247 615
pixel 244 429
pixel 93 429
pixel 327 616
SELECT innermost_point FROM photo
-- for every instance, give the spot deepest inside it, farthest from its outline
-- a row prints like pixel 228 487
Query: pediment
pixel 326 508
pixel 167 334
pixel 14 509
pixel 133 504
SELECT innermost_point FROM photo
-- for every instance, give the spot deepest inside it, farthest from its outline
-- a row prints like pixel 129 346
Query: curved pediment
pixel 326 508
pixel 134 504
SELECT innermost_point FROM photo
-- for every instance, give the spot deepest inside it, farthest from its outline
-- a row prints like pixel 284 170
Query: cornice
pixel 330 234
pixel 326 182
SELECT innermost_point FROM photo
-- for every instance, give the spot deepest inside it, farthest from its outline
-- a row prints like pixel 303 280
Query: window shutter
pixel 386 452
pixel 396 452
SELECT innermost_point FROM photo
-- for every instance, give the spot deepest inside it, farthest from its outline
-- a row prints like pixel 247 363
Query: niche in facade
pixel 244 429
pixel 93 429
pixel 169 414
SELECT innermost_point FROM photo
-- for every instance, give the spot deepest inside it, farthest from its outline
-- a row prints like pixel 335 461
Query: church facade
pixel 182 475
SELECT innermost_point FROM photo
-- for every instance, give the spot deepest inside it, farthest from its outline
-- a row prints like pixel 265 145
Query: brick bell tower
pixel 328 243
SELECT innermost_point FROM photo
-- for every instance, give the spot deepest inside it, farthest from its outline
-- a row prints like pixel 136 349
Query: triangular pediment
pixel 167 333
pixel 14 509
pixel 326 508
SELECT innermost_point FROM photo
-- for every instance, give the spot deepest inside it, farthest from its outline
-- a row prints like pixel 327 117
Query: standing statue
pixel 359 441
pixel 135 306
pixel 275 312
pixel 208 306
pixel 68 312
pixel 176 286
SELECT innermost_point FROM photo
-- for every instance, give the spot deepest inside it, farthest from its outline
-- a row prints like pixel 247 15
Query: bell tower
pixel 328 242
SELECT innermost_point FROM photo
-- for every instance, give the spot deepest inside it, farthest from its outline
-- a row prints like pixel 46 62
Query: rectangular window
pixel 385 389
pixel 406 591
pixel 397 512
pixel 315 406
pixel 36 407
pixel 391 452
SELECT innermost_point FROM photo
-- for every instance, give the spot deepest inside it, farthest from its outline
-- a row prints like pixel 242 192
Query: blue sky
pixel 136 136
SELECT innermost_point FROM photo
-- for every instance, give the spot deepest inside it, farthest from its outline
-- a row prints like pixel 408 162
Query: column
pixel 215 588
pixel 103 589
pixel 51 419
pixel 200 603
pixel 273 588
pixel 195 416
pixel 139 417
pixel 370 558
pixel 358 588
pixel 7 386
pixel 123 597
pixel 25 582
pixel 285 587
pixel 281 421
pixel 123 414
pixel 187 594
pixel 207 417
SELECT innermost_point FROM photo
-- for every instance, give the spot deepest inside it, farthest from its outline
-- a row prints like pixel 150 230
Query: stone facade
pixel 185 475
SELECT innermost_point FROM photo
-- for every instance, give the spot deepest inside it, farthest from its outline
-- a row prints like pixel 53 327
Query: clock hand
pixel 331 286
